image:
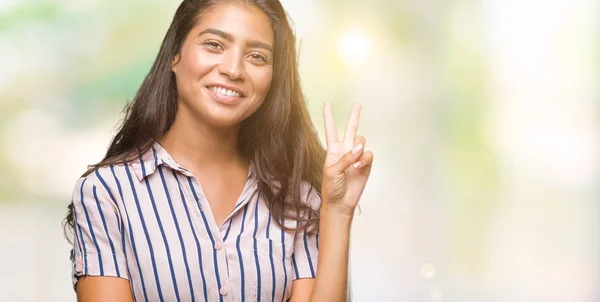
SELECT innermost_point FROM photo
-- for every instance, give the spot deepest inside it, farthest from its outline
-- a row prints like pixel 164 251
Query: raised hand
pixel 347 165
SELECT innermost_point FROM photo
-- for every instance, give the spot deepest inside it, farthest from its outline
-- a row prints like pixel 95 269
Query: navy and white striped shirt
pixel 148 221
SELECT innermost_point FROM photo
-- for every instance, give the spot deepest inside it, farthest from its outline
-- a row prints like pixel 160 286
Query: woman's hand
pixel 347 165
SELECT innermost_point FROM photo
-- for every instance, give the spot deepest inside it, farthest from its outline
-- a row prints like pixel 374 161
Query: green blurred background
pixel 483 115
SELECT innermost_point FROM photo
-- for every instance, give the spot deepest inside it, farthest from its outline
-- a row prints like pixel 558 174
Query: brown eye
pixel 213 44
pixel 259 57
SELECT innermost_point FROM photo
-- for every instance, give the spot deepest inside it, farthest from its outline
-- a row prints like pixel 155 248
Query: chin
pixel 223 118
pixel 225 123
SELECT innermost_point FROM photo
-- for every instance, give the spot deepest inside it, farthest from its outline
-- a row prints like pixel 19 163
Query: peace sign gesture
pixel 347 165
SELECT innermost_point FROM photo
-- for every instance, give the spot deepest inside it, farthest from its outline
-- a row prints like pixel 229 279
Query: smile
pixel 225 92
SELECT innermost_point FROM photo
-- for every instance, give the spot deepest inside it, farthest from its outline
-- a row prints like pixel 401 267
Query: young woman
pixel 216 187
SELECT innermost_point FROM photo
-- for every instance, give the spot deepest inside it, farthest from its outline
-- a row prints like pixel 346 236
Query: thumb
pixel 348 159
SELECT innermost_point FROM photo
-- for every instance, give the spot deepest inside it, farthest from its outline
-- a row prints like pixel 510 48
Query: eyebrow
pixel 229 37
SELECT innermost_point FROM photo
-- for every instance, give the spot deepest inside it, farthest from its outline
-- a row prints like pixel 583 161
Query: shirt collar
pixel 146 164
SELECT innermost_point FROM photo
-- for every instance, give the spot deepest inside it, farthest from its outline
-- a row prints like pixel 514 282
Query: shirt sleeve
pixel 98 239
pixel 306 246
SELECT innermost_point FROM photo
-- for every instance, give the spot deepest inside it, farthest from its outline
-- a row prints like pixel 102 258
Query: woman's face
pixel 225 66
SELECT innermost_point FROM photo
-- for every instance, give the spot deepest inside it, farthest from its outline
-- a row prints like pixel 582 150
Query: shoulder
pixel 96 176
pixel 98 182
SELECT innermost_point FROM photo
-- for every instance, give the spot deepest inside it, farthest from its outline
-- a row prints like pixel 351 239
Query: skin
pixel 230 46
pixel 224 49
pixel 347 169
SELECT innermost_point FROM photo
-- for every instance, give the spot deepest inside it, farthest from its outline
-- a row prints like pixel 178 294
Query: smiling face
pixel 225 66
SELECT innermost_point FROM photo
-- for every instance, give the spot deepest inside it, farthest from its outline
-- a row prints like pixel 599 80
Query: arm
pixel 302 289
pixel 98 263
pixel 331 279
pixel 347 169
pixel 97 289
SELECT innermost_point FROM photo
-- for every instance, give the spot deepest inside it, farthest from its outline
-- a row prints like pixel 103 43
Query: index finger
pixel 352 125
pixel 331 132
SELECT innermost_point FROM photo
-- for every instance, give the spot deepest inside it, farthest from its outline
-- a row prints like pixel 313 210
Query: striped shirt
pixel 148 221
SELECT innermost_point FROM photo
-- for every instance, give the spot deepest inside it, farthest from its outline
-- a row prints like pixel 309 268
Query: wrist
pixel 336 211
pixel 334 222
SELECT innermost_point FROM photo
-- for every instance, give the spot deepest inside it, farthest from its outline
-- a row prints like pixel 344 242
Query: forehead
pixel 243 22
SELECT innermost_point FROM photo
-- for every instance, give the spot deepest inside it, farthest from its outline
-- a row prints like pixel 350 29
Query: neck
pixel 194 144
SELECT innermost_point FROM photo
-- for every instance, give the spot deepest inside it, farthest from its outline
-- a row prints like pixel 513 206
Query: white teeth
pixel 233 93
pixel 225 92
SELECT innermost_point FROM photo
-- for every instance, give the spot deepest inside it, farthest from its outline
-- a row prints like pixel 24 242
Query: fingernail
pixel 357 164
pixel 357 149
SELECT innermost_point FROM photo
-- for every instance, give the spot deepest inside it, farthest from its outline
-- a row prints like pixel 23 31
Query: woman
pixel 216 187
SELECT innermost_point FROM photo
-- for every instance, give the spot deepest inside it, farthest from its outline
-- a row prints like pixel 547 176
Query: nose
pixel 232 66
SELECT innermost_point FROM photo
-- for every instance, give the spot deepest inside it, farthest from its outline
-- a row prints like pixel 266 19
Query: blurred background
pixel 483 115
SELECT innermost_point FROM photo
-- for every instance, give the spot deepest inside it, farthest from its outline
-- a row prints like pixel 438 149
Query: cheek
pixel 193 66
pixel 262 82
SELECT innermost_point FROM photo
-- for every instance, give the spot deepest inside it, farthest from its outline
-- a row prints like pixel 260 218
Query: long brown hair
pixel 279 138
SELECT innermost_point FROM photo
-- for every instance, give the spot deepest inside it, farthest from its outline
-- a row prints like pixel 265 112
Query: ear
pixel 174 62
